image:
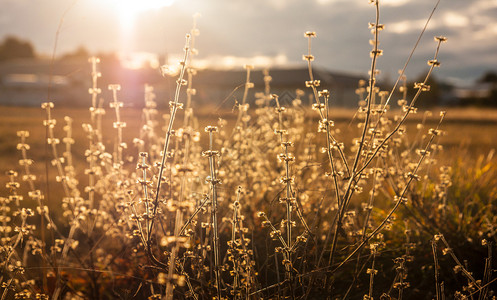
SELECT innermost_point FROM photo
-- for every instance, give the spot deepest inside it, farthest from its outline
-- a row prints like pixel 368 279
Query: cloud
pixel 394 2
pixel 406 26
pixel 268 28
pixel 329 2
pixel 234 62
pixel 454 19
pixel 4 19
pixel 488 32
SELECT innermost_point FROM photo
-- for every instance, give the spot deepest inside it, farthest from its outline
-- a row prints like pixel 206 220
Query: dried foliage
pixel 277 205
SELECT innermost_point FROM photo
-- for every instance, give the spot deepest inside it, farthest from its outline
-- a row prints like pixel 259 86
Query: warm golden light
pixel 128 9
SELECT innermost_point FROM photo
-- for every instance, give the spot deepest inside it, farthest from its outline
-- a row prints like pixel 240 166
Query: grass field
pixel 470 130
pixel 468 145
pixel 264 201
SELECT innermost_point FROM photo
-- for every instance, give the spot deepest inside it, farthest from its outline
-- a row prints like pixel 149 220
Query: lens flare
pixel 128 9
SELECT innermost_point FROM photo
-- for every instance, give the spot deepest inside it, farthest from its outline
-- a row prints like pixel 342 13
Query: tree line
pixel 13 48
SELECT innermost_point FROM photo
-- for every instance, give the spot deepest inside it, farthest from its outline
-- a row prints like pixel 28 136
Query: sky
pixel 269 32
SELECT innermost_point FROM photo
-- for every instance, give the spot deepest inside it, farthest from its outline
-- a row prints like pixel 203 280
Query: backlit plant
pixel 275 204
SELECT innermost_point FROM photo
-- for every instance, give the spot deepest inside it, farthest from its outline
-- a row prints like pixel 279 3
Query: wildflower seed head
pixel 376 53
pixel 94 59
pixel 310 34
pixel 441 39
pixel 420 85
pixel 376 26
pixel 434 62
pixel 275 233
pixel 114 87
pixel 23 134
pixel 319 106
pixel 324 93
pixel 301 238
pixel 372 271
pixel 435 132
pixel 315 83
pixel 192 92
pixel 308 57
pixel 182 81
pixel 47 105
pixel 175 105
pixel 94 91
pixel 402 199
pixel 412 176
pixel 211 129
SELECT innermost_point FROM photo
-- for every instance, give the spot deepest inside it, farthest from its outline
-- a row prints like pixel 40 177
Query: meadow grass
pixel 266 201
pixel 475 128
pixel 472 176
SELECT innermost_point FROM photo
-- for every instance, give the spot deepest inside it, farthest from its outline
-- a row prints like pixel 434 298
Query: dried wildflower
pixel 310 34
pixel 313 83
pixel 308 57
pixel 402 199
pixel 47 105
pixel 211 129
pixel 114 87
pixel 434 62
pixel 377 52
pixel 371 271
pixel 412 176
pixel 301 239
pixel 440 39
pixel 377 26
pixel 422 86
pixel 434 131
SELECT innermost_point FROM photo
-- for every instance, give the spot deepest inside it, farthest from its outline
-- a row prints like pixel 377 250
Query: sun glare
pixel 143 5
pixel 128 9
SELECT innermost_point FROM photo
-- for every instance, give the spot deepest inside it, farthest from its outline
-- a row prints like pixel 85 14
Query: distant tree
pixel 490 78
pixel 429 98
pixel 80 52
pixel 12 48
